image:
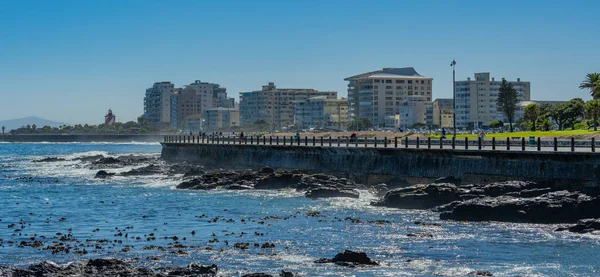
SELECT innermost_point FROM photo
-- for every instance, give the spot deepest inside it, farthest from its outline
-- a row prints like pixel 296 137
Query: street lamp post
pixel 453 64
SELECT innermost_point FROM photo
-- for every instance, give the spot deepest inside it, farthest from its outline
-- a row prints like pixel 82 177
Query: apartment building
pixel 476 100
pixel 380 95
pixel 185 102
pixel 321 111
pixel 157 104
pixel 273 105
pixel 218 118
pixel 443 113
pixel 412 112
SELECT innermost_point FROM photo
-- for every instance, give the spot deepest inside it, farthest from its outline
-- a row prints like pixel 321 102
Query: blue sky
pixel 72 60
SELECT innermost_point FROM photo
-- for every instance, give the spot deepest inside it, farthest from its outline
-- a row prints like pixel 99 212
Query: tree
pixel 531 114
pixel 507 101
pixel 3 128
pixel 592 109
pixel 496 124
pixel 28 127
pixel 592 83
pixel 575 110
pixel 558 114
pixel 545 123
pixel 34 127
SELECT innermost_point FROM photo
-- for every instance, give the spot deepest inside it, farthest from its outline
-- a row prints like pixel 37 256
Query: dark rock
pixel 420 235
pixel 257 275
pixel 480 273
pixel 106 268
pixel 278 181
pixel 45 268
pixel 266 170
pixel 89 158
pixel 349 258
pixel 330 192
pixel 284 273
pixel 583 226
pixel 194 172
pixel 49 160
pixel 103 174
pixel 502 188
pixel 354 257
pixel 448 180
pixel 421 196
pixel 323 261
pixel 146 170
pixel 553 207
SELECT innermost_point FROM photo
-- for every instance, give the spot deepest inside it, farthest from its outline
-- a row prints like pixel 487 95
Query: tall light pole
pixel 453 64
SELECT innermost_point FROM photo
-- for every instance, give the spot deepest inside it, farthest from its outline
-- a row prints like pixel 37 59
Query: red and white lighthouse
pixel 110 118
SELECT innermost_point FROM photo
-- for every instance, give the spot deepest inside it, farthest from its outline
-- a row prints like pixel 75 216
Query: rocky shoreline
pixel 513 201
pixel 118 267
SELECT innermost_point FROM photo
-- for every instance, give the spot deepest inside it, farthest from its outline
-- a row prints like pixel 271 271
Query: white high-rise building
pixel 157 104
pixel 381 96
pixel 476 100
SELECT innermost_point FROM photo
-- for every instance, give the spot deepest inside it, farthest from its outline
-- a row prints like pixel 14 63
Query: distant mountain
pixel 39 122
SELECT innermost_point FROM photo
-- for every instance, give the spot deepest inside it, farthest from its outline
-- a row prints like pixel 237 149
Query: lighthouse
pixel 110 118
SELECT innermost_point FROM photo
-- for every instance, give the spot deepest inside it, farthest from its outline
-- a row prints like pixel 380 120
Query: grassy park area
pixel 578 134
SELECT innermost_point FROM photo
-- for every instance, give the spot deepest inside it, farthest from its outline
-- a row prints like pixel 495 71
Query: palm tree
pixel 593 110
pixel 592 83
pixel 3 128
pixel 33 127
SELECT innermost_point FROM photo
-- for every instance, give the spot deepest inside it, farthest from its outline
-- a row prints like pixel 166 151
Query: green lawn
pixel 526 134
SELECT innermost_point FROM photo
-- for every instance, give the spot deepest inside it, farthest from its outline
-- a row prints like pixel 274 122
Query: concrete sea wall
pixel 375 165
pixel 81 138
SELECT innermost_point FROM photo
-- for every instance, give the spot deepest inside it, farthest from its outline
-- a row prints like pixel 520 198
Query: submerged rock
pixel 49 160
pixel 146 170
pixel 448 180
pixel 103 174
pixel 583 226
pixel 330 192
pixel 349 258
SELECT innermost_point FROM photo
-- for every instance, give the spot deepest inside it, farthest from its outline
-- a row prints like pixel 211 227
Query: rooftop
pixel 390 73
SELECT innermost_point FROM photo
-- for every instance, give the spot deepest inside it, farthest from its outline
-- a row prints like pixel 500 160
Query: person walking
pixel 241 137
pixel 482 137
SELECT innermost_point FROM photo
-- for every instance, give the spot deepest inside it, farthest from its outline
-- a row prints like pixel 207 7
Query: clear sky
pixel 71 61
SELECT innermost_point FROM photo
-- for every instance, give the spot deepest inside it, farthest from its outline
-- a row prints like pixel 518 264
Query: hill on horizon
pixel 12 124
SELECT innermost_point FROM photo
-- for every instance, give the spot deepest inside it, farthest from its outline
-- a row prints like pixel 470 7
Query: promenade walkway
pixel 520 144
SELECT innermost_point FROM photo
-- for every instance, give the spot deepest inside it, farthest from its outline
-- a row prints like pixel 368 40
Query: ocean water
pixel 61 204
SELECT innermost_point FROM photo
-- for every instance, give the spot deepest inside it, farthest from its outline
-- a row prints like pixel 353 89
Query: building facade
pixel 321 112
pixel 218 118
pixel 476 100
pixel 443 113
pixel 274 106
pixel 157 104
pixel 379 95
pixel 414 112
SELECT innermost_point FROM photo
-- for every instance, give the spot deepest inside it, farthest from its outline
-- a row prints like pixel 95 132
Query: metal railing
pixel 508 144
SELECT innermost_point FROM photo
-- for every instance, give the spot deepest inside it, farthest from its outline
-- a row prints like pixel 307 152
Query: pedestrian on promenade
pixel 297 136
pixel 241 137
pixel 482 137
pixel 443 133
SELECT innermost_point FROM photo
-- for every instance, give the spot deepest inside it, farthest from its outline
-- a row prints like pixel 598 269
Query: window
pixel 422 82
pixel 410 81
pixel 389 87
pixel 388 81
pixel 376 81
pixel 398 87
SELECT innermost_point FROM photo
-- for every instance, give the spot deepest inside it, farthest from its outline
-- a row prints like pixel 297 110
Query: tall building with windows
pixel 476 100
pixel 218 118
pixel 274 106
pixel 380 95
pixel 321 111
pixel 443 113
pixel 157 104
